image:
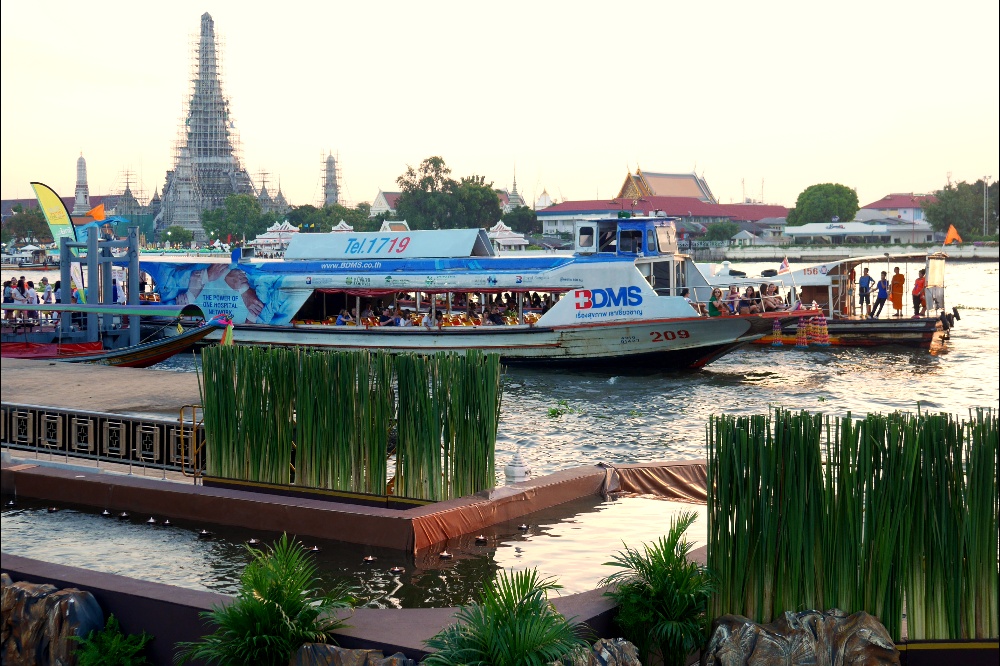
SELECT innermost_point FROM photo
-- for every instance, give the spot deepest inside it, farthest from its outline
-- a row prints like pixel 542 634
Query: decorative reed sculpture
pixel 318 419
pixel 885 514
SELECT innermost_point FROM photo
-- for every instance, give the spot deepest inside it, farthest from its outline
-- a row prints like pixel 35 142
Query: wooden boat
pixel 20 339
pixel 833 287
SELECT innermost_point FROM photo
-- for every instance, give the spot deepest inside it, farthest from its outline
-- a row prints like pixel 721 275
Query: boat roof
pixel 424 244
pixel 189 310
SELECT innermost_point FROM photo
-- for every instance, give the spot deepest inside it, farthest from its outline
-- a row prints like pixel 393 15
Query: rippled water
pixel 569 543
pixel 617 419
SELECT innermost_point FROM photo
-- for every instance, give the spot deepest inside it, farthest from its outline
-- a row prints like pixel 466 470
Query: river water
pixel 559 419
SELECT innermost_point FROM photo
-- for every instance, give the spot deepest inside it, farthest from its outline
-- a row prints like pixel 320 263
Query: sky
pixel 761 98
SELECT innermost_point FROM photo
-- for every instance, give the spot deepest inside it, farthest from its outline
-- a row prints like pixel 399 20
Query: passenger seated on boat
pixel 343 318
pixel 717 306
pixel 749 304
pixel 685 293
pixel 733 299
pixel 769 298
pixel 386 318
pixel 496 318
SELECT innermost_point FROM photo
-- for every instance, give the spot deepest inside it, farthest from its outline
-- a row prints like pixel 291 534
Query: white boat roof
pixel 424 244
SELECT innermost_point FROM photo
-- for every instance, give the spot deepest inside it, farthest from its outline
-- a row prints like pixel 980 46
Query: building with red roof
pixel 907 206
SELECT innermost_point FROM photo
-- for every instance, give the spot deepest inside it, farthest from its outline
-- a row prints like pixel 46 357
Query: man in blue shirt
pixel 881 294
pixel 864 292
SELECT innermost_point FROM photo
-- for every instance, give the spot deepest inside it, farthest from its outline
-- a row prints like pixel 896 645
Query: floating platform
pixel 43 399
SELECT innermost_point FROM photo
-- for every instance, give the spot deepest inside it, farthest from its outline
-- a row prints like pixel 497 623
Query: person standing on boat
pixel 864 292
pixel 896 288
pixel 31 298
pixel 881 294
pixel 919 303
pixel 46 296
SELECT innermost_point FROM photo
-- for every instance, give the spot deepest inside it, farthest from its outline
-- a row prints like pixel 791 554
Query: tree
pixel 474 204
pixel 721 231
pixel 27 225
pixel 822 203
pixel 961 204
pixel 522 220
pixel 178 235
pixel 431 199
pixel 241 217
pixel 424 200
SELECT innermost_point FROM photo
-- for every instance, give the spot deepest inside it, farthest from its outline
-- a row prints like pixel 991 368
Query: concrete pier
pixel 95 388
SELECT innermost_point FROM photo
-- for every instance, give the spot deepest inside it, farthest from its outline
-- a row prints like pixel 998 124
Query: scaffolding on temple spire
pixel 207 157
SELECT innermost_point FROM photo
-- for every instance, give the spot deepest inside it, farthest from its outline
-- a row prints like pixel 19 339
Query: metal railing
pixel 147 442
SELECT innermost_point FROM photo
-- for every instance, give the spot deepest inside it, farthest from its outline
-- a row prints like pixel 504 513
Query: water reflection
pixel 568 542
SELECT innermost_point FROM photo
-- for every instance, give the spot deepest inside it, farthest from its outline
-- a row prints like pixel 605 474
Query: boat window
pixel 630 240
pixel 586 237
pixel 607 236
pixel 666 238
pixel 650 241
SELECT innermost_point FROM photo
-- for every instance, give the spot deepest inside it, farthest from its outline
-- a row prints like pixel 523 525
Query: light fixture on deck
pixel 105 514
pixel 204 534
pixel 151 521
pixel 481 539
pixel 315 549
pixel 53 509
pixel 123 515
pixel 445 555
pixel 167 523
pixel 397 570
pixel 368 559
pixel 522 527
pixel 253 542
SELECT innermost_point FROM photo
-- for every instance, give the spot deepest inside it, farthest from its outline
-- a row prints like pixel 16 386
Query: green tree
pixel 474 204
pixel 721 231
pixel 961 204
pixel 240 218
pixel 178 235
pixel 28 226
pixel 522 220
pixel 821 203
pixel 424 201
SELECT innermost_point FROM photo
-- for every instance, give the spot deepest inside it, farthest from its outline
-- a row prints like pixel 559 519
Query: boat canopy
pixel 189 310
pixel 377 245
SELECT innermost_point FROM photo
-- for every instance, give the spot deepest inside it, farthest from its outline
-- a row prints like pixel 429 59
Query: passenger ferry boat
pixel 615 300
pixel 833 286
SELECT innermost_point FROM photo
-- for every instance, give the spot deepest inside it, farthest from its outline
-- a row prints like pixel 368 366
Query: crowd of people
pixel 496 310
pixel 748 301
pixel 891 290
pixel 22 292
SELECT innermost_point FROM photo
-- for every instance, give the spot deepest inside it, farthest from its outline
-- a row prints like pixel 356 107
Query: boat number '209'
pixel 668 335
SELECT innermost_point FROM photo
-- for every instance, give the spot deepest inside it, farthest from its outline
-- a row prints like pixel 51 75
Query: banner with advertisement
pixel 242 292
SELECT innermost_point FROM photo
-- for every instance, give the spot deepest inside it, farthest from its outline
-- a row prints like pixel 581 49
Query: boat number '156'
pixel 383 245
pixel 668 335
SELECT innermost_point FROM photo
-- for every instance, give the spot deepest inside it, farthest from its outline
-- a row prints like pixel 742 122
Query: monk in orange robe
pixel 896 289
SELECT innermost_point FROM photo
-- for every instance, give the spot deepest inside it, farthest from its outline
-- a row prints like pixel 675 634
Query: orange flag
pixel 952 236
pixel 97 212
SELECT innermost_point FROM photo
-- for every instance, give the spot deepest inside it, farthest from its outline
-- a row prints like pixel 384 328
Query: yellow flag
pixel 952 236
pixel 54 211
pixel 97 212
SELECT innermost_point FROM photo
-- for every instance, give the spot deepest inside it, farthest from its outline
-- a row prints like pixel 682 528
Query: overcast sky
pixel 882 96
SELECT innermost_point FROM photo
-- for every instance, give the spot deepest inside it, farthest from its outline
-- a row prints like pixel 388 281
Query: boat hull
pixel 656 344
pixel 139 356
pixel 922 333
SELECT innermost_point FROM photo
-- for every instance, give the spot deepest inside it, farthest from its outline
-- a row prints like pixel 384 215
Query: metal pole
pixel 132 293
